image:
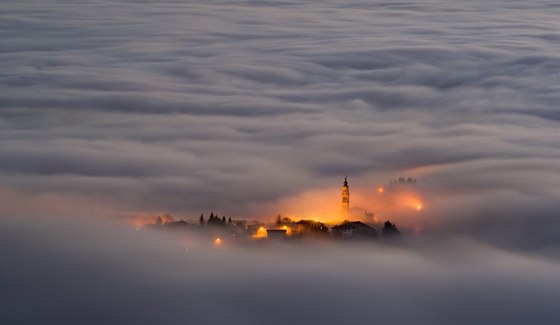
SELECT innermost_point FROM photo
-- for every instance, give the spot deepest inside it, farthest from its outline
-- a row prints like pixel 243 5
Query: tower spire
pixel 345 196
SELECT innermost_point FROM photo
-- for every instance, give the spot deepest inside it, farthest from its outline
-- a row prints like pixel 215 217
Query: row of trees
pixel 402 180
pixel 214 220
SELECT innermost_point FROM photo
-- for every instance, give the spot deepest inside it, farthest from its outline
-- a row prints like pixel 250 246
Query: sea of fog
pixel 253 108
pixel 78 271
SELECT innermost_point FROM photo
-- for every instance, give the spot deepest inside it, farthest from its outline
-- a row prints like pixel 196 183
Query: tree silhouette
pixel 390 229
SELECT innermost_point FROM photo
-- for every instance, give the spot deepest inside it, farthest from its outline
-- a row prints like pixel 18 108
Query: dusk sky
pixel 116 109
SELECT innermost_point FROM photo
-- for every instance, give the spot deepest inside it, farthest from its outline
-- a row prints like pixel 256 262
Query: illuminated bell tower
pixel 345 197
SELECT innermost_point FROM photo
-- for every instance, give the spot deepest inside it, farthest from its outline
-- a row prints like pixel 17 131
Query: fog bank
pixel 90 272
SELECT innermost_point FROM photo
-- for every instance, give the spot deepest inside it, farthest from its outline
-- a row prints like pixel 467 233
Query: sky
pixel 250 109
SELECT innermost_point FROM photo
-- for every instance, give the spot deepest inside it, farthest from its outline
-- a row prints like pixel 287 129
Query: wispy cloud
pixel 188 106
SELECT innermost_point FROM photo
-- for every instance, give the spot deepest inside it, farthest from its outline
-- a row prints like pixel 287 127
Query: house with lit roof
pixel 354 229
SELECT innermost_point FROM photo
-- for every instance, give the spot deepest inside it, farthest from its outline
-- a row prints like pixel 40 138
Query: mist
pixel 116 110
pixel 90 272
pixel 234 106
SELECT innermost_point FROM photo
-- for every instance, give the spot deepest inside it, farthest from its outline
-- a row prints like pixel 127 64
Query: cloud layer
pixel 91 272
pixel 117 107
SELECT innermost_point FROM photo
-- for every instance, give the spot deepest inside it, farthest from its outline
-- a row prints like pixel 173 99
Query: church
pixel 345 198
pixel 351 229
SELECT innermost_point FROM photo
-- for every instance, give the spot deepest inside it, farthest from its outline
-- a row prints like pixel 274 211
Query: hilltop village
pixel 222 228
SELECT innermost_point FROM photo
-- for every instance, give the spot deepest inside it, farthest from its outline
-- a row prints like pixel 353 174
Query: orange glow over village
pixel 321 209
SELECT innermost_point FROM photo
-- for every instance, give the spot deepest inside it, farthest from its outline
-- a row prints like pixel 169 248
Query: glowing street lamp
pixel 261 233
pixel 218 242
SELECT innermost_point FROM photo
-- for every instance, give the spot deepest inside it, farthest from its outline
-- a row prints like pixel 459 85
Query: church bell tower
pixel 345 197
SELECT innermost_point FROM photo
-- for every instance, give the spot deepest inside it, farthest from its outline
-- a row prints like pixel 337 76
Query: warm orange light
pixel 261 233
pixel 380 190
pixel 419 207
pixel 288 230
pixel 218 241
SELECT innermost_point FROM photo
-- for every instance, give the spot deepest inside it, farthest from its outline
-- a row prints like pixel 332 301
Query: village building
pixel 354 229
pixel 276 233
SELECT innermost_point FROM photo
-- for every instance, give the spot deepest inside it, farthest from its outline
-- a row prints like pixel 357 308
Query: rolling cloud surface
pixel 118 107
